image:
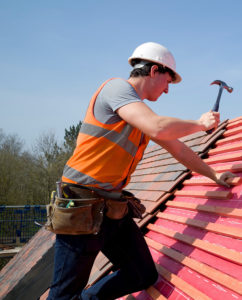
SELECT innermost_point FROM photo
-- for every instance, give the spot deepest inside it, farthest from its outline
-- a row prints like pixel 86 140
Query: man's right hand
pixel 209 120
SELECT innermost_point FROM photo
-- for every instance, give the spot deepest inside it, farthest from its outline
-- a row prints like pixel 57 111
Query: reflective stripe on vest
pixel 120 139
pixel 84 179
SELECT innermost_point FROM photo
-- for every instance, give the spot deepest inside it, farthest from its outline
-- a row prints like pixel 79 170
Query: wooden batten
pixel 219 210
pixel 234 232
pixel 203 269
pixel 217 250
pixel 223 195
pixel 181 284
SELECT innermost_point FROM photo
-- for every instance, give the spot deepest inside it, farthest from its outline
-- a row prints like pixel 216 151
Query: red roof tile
pixel 234 124
pixel 224 158
pixel 233 131
pixel 205 194
pixel 233 138
pixel 227 148
pixel 207 181
pixel 234 120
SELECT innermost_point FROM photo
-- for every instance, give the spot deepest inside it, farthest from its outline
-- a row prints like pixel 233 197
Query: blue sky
pixel 55 53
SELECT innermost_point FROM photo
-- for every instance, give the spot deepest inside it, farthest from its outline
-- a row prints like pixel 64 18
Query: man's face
pixel 159 83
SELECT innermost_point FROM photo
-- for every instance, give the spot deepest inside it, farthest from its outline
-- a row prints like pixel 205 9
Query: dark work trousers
pixel 123 244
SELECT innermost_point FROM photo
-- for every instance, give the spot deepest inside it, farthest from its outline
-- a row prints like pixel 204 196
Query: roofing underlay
pixel 193 227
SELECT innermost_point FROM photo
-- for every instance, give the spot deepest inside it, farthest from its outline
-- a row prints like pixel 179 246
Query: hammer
pixel 222 85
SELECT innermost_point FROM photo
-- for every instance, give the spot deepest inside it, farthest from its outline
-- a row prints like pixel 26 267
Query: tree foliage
pixel 29 177
pixel 71 136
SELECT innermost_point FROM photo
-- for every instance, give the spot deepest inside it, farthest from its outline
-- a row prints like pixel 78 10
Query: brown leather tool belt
pixel 115 204
pixel 80 209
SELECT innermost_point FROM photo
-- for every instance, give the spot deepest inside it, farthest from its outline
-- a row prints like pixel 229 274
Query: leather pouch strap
pixel 118 196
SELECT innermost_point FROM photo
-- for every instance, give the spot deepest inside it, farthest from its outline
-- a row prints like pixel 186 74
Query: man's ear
pixel 153 70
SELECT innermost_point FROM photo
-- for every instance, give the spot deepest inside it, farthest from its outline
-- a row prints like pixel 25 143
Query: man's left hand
pixel 222 178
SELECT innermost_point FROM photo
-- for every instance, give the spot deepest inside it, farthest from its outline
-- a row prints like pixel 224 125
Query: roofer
pixel 116 130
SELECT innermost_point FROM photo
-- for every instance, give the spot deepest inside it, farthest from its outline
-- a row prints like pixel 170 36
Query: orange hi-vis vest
pixel 106 154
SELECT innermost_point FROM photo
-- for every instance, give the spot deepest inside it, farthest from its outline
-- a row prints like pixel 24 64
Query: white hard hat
pixel 156 53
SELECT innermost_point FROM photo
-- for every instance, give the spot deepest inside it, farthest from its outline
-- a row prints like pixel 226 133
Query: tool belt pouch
pixel 119 204
pixel 116 209
pixel 84 218
pixel 136 208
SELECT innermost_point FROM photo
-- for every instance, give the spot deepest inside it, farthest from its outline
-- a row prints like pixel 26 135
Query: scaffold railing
pixel 17 223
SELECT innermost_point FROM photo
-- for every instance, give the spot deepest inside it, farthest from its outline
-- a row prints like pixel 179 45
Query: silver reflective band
pixel 84 179
pixel 120 139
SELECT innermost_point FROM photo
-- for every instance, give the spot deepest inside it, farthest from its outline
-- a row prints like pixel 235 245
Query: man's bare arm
pixel 166 130
pixel 193 162
pixel 139 115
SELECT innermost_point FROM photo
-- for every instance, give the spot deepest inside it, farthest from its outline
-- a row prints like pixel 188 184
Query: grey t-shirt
pixel 115 94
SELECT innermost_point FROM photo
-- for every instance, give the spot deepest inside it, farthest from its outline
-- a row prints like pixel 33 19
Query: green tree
pixel 49 160
pixel 10 167
pixel 71 136
pixel 29 177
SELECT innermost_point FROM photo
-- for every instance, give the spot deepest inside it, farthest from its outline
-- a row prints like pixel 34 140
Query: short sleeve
pixel 115 94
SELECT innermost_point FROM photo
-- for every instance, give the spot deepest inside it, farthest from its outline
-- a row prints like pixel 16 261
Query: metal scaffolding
pixel 17 223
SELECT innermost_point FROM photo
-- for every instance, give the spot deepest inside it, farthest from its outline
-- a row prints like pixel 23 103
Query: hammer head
pixel 222 84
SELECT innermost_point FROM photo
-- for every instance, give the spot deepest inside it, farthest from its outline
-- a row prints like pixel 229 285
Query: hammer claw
pixel 223 85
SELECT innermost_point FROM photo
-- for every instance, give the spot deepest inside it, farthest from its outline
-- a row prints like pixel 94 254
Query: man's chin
pixel 153 99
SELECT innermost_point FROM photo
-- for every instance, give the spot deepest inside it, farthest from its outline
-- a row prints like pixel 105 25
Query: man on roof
pixel 116 130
